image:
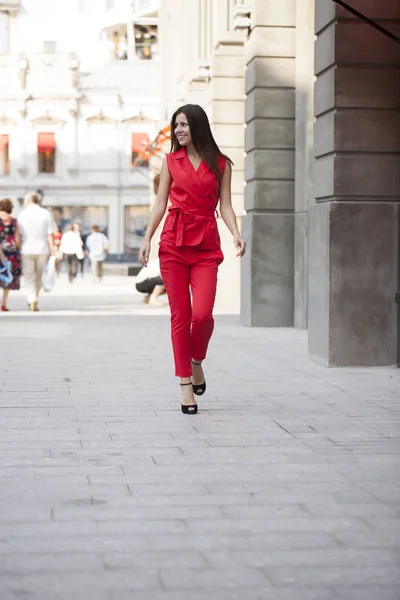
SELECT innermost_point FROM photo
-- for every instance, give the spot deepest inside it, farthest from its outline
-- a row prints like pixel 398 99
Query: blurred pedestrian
pixel 10 249
pixel 71 249
pixel 97 247
pixel 57 243
pixel 37 228
pixel 81 254
pixel 195 175
pixel 148 281
pixel 115 41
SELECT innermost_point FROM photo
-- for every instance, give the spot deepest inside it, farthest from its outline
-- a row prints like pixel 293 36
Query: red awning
pixel 3 141
pixel 46 142
pixel 139 141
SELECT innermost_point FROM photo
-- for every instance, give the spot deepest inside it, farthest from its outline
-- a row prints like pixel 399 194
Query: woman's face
pixel 182 130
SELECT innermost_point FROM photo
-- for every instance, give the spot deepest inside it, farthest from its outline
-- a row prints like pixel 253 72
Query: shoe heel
pixel 188 409
pixel 199 389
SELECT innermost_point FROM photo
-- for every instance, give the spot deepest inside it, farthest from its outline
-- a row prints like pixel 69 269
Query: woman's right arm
pixel 156 213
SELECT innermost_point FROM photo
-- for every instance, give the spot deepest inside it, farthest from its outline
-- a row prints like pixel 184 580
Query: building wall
pixel 323 177
pixel 202 62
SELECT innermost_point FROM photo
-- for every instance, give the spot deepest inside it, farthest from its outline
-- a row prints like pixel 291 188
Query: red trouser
pixel 192 322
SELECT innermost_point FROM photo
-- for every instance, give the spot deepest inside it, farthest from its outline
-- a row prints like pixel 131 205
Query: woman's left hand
pixel 240 244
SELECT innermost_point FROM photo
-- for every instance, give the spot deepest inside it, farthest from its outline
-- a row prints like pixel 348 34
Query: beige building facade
pixel 304 96
pixel 79 84
pixel 202 62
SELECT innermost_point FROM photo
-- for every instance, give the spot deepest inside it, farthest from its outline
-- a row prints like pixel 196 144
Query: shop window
pixel 139 143
pixel 85 216
pixel 47 152
pixel 4 153
pixel 135 223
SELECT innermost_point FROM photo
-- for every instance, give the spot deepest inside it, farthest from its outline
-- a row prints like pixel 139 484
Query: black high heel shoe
pixel 199 389
pixel 188 409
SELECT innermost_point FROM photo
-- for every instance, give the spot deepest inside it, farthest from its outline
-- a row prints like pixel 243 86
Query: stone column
pixel 226 112
pixel 268 226
pixel 353 228
pixel 304 155
pixel 226 108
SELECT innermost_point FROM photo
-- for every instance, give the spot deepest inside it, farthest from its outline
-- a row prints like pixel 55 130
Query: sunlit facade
pixel 78 102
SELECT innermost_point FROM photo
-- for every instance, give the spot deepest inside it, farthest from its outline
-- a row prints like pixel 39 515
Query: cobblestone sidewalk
pixel 285 486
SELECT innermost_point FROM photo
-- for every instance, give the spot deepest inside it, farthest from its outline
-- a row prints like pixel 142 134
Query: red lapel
pixel 202 170
pixel 187 166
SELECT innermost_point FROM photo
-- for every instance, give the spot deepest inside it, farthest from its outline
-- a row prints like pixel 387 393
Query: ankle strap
pixel 190 383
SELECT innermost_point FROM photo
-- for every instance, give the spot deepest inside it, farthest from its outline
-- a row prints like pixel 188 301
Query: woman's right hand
pixel 144 253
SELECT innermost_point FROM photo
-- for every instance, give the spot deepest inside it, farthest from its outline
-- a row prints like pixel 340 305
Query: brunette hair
pixel 6 205
pixel 202 137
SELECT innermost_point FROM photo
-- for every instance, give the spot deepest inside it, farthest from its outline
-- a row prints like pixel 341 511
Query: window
pixel 146 41
pixel 49 47
pixel 136 218
pixel 4 155
pixel 47 152
pixel 139 143
pixel 86 216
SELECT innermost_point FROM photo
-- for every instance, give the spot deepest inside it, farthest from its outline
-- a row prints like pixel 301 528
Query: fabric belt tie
pixel 182 218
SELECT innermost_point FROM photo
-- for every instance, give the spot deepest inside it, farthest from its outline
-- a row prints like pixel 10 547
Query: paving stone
pixel 330 576
pixel 213 579
pixel 382 592
pixel 262 593
pixel 285 486
pixel 246 540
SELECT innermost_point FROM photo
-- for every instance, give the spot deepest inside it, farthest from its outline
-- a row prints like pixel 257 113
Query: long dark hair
pixel 202 138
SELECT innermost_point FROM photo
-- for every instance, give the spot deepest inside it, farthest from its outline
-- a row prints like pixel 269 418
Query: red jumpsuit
pixel 190 252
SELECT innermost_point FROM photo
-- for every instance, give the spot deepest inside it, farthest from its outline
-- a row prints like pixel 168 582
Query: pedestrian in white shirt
pixel 37 228
pixel 97 247
pixel 148 281
pixel 71 250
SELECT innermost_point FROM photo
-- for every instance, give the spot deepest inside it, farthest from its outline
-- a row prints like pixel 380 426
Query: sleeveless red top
pixel 194 195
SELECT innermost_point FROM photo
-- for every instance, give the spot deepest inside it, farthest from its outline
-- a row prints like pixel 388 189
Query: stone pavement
pixel 285 486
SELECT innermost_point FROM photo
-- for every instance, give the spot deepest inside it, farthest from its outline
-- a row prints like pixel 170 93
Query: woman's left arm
pixel 227 212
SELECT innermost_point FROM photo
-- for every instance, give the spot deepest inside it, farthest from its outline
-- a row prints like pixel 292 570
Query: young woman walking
pixel 195 175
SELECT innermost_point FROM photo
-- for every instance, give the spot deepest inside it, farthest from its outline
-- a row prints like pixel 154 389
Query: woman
pixel 10 246
pixel 57 237
pixel 71 249
pixel 195 175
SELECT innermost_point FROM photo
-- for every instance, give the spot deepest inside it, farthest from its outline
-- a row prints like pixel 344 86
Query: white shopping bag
pixel 49 276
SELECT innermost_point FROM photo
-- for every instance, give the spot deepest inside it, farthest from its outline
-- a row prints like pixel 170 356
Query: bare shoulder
pixel 165 172
pixel 226 174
